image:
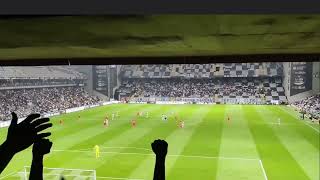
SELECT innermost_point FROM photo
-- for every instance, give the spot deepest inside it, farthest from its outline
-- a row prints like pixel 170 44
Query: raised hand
pixel 41 147
pixel 160 148
pixel 23 135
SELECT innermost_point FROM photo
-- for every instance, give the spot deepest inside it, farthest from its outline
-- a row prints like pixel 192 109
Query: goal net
pixel 58 173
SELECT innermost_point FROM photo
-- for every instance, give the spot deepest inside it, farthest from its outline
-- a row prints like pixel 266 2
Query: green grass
pixel 161 35
pixel 207 148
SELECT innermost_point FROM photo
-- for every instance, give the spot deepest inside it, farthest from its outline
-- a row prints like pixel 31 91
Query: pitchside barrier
pixel 57 173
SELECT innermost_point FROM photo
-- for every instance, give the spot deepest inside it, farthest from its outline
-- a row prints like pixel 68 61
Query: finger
pixel 43 127
pixel 43 135
pixel 31 117
pixel 50 144
pixel 39 122
pixel 40 139
pixel 165 142
pixel 14 120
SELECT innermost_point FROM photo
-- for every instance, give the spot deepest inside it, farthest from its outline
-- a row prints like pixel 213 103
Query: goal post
pixel 57 173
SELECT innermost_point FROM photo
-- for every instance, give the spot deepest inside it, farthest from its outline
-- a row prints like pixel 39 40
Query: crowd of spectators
pixel 42 100
pixel 265 69
pixel 194 88
pixel 37 82
pixel 310 105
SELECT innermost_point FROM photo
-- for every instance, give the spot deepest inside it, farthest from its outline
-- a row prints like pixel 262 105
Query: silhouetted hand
pixel 41 147
pixel 23 135
pixel 160 148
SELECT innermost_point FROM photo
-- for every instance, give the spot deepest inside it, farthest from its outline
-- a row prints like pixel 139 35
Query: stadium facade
pixel 53 89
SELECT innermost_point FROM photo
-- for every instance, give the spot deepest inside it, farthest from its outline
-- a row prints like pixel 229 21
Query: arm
pixel 21 136
pixel 160 148
pixel 159 169
pixel 6 155
pixel 36 171
pixel 40 148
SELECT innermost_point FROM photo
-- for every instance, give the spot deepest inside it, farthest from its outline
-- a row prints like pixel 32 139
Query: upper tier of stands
pixel 39 72
pixel 270 69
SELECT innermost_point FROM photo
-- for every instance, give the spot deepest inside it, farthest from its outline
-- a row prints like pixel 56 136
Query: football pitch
pixel 251 146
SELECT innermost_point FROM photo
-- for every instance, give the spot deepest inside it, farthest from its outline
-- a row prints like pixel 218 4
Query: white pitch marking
pixel 170 155
pixel 300 120
pixel 264 172
pixel 105 177
pixel 311 127
pixel 114 147
pixel 10 174
pixel 98 177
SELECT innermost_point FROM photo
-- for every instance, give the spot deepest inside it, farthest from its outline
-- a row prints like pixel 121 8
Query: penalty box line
pixel 185 156
pixel 169 155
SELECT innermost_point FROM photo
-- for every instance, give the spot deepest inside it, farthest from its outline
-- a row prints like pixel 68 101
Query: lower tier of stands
pixel 310 105
pixel 42 100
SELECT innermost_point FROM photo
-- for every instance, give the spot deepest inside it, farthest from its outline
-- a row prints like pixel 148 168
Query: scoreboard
pixel 100 79
pixel 301 77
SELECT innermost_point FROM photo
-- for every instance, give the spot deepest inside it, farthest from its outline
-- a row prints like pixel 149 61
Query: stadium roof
pixel 68 37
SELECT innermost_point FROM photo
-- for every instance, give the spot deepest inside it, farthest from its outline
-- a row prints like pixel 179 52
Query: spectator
pixel 310 105
pixel 21 136
pixel 43 100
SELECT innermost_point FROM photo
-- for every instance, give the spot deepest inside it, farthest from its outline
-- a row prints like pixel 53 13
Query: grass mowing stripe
pixel 88 118
pixel 148 162
pixel 154 129
pixel 236 140
pixel 309 134
pixel 205 140
pixel 178 168
pixel 296 144
pixel 296 116
pixel 277 161
pixel 117 128
pixel 97 135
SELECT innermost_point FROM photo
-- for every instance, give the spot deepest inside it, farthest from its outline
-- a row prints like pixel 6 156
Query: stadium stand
pixel 203 70
pixel 237 83
pixel 51 89
pixel 36 72
pixel 310 105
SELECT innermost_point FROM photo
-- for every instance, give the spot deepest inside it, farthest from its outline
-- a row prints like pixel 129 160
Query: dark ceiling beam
pixel 165 60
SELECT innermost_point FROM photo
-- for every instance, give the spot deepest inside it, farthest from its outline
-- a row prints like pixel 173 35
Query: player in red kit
pixel 133 123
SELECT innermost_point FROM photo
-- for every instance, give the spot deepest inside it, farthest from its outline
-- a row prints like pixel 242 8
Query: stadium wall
pixel 89 81
pixel 88 72
pixel 316 77
pixel 286 78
